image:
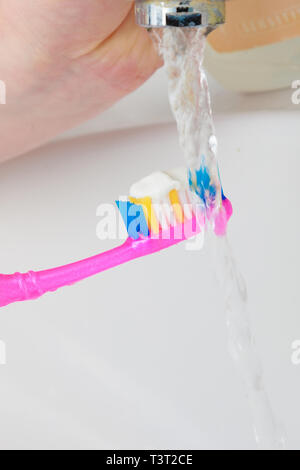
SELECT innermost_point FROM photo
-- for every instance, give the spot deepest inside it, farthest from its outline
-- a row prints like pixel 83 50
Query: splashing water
pixel 242 347
pixel 183 52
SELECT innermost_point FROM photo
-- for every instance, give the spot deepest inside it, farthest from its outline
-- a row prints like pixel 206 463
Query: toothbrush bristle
pixel 170 205
pixel 165 201
pixel 168 212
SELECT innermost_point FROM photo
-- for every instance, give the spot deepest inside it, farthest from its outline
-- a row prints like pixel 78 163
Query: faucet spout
pixel 206 14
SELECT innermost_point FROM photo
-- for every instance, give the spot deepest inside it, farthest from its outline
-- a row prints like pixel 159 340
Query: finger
pixel 125 59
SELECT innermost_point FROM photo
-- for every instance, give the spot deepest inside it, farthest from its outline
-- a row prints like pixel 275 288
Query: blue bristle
pixel 202 186
pixel 134 219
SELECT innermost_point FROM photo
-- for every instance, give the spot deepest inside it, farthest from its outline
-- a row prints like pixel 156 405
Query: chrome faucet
pixel 207 14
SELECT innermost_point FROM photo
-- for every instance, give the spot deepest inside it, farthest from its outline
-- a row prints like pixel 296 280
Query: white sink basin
pixel 137 357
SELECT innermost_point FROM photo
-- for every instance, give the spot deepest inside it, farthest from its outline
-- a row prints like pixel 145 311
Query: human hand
pixel 64 61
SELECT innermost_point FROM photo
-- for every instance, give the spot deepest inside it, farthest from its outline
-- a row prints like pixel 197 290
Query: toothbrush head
pixel 162 204
pixel 157 203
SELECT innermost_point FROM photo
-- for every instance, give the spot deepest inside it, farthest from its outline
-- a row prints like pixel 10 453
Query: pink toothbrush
pixel 155 231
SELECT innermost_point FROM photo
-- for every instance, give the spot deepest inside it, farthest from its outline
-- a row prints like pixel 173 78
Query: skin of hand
pixel 63 62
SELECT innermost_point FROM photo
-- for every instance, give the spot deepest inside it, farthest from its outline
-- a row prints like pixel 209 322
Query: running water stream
pixel 183 52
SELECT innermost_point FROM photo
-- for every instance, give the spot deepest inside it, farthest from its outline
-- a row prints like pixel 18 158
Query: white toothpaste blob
pixel 156 186
pixel 180 174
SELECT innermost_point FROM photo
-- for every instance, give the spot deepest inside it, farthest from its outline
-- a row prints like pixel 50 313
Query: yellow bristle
pixel 149 212
pixel 177 207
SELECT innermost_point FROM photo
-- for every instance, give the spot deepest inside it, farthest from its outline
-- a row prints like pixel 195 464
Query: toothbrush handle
pixel 32 285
